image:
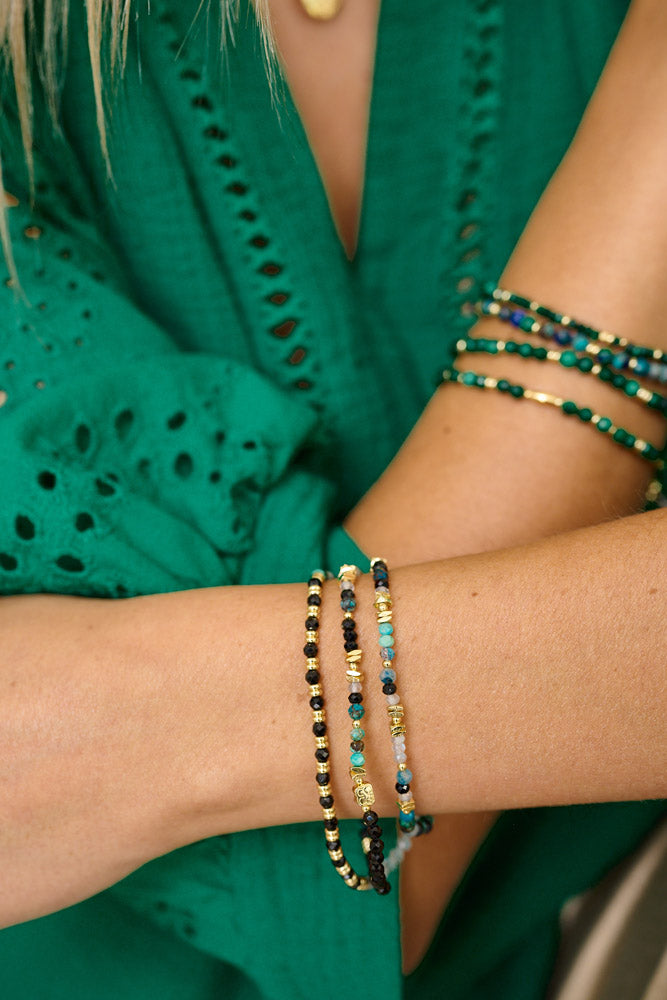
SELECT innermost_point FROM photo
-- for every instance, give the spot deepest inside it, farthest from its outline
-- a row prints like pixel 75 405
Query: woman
pixel 216 356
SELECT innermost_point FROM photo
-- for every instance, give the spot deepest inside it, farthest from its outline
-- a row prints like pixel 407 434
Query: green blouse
pixel 198 385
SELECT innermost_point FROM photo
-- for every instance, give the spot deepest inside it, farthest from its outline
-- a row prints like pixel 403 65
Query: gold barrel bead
pixel 405 807
pixel 336 855
pixel 357 771
pixel 319 715
pixel 353 656
pixel 331 834
pixel 329 813
pixel 323 768
pixel 315 689
pixel 321 742
pixel 398 730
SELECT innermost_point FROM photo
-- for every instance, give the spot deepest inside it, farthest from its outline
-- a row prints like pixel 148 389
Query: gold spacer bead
pixel 398 730
pixel 315 689
pixel 396 710
pixel 385 617
pixel 312 661
pixel 345 870
pixel 405 807
pixel 311 636
pixel 329 814
pixel 336 855
pixel 321 742
pixel 323 768
pixel 348 572
pixel 325 790
pixel 331 834
pixel 319 715
pixel 354 771
pixel 353 656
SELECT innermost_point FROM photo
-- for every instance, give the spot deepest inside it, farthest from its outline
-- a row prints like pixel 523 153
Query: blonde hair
pixel 107 21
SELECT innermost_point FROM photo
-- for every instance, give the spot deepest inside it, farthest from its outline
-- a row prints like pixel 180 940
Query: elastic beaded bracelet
pixel 492 291
pixel 410 825
pixel 311 648
pixel 643 365
pixel 362 788
pixel 567 359
pixel 604 424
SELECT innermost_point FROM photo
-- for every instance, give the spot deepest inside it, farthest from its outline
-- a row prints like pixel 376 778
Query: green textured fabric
pixel 198 388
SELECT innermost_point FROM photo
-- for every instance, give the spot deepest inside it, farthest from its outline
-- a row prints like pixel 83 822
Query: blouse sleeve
pixel 128 465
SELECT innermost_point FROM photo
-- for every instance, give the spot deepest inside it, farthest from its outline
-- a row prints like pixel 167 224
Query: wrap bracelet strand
pixel 410 825
pixel 313 679
pixel 362 788
pixel 567 359
pixel 492 291
pixel 642 365
pixel 603 424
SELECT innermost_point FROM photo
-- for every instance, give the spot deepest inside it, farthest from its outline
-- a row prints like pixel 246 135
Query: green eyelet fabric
pixel 196 385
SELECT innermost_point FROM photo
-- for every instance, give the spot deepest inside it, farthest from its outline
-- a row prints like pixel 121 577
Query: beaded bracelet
pixel 492 291
pixel 410 825
pixel 567 406
pixel 362 788
pixel 567 359
pixel 313 679
pixel 654 370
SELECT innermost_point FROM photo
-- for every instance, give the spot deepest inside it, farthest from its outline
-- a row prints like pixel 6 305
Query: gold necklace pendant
pixel 322 10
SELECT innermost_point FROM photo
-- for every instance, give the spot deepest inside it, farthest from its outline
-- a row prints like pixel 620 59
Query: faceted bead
pixel 384 889
pixel 370 817
pixel 312 623
pixel 357 733
pixel 355 698
pixel 349 645
pixel 405 796
pixel 332 845
pixel 314 582
pixel 387 653
pixel 375 832
pixel 323 779
pixel 355 687
pixel 357 759
pixel 319 728
pixel 357 746
pixel 385 628
pixel 405 777
pixel 400 757
pixel 348 604
pixel 389 688
pixel 425 823
pixel 386 640
pixel 356 711
pixel 317 703
pixel 314 599
pixel 393 699
pixel 377 847
pixel 387 674
pixel 330 824
pixel 401 788
pixel 312 676
pixel 326 801
pixel 406 821
pixel 322 755
pixel 310 649
pixel 346 594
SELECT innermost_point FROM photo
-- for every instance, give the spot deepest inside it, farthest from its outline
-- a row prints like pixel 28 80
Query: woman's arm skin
pixel 128 729
pixel 531 676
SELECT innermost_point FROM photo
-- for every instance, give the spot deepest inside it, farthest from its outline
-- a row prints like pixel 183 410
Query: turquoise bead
pixel 468 378
pixel 525 350
pixel 631 387
pixel 386 640
pixel 386 628
pixel 405 777
pixel 407 820
pixel 357 734
pixel 357 759
pixel 356 711
pixel 580 343
pixel 568 359
pixel 527 324
pixel 387 676
pixel 603 424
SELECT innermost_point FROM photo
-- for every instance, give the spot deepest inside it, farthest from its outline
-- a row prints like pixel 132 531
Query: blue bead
pixel 407 820
pixel 356 711
pixel 641 366
pixel 620 362
pixel 357 734
pixel 386 628
pixel 562 337
pixel 387 676
pixel 516 317
pixel 387 653
pixel 348 604
pixel 580 343
pixel 405 777
pixel 386 640
pixel 357 759
pixel 605 356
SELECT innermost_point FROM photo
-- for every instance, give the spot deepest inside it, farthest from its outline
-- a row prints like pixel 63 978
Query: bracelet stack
pixel 410 826
pixel 597 353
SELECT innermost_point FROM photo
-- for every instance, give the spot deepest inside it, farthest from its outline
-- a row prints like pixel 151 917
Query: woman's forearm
pixel 482 471
pixel 531 676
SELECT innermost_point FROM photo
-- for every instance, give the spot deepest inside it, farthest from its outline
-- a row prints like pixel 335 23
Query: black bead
pixel 330 824
pixel 370 817
pixel 319 728
pixel 380 564
pixel 401 788
pixel 348 624
pixel 350 635
pixel 314 582
pixel 317 702
pixel 326 801
pixel 377 847
pixel 312 624
pixel 333 845
pixel 350 644
pixel 322 755
pixel 376 870
pixel 389 688
pixel 378 878
pixel 347 595
pixel 357 746
pixel 375 832
pixel 323 779
pixel 314 599
pixel 340 862
pixel 310 649
pixel 381 583
pixel 355 698
pixel 312 676
pixel 383 889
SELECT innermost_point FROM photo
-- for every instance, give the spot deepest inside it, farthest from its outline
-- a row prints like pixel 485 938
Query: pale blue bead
pixel 404 777
pixel 386 640
pixel 357 759
pixel 386 628
pixel 580 343
pixel 387 676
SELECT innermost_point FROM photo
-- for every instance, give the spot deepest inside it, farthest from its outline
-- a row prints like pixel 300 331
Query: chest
pixel 328 67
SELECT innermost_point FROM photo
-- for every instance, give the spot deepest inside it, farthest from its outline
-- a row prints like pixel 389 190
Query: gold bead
pixel 354 771
pixel 398 730
pixel 331 834
pixel 324 790
pixel 345 870
pixel 315 689
pixel 319 715
pixel 321 742
pixel 405 807
pixel 396 710
pixel 353 656
pixel 366 844
pixel 329 814
pixel 336 855
pixel 323 768
pixel 348 572
pixel 364 795
pixel 311 636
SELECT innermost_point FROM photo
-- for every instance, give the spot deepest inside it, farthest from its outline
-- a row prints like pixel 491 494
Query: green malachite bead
pixel 630 440
pixel 469 378
pixel 503 385
pixel 585 364
pixel 517 391
pixel 511 347
pixel 568 359
pixel 525 350
pixel 492 347
pixel 479 381
pixel 605 375
pixel 655 402
pixel 631 387
pixel 526 324
pixel 569 407
pixel 585 414
pixel 620 435
pixel 603 424
pixel 540 352
pixel 650 451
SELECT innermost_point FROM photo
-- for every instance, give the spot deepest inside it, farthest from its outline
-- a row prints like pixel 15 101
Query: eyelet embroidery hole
pixel 277 298
pixel 7 562
pixel 104 488
pixel 70 564
pixel 123 423
pixel 183 465
pixel 84 521
pixel 46 479
pixel 176 421
pixel 82 437
pixel 24 527
pixel 297 356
